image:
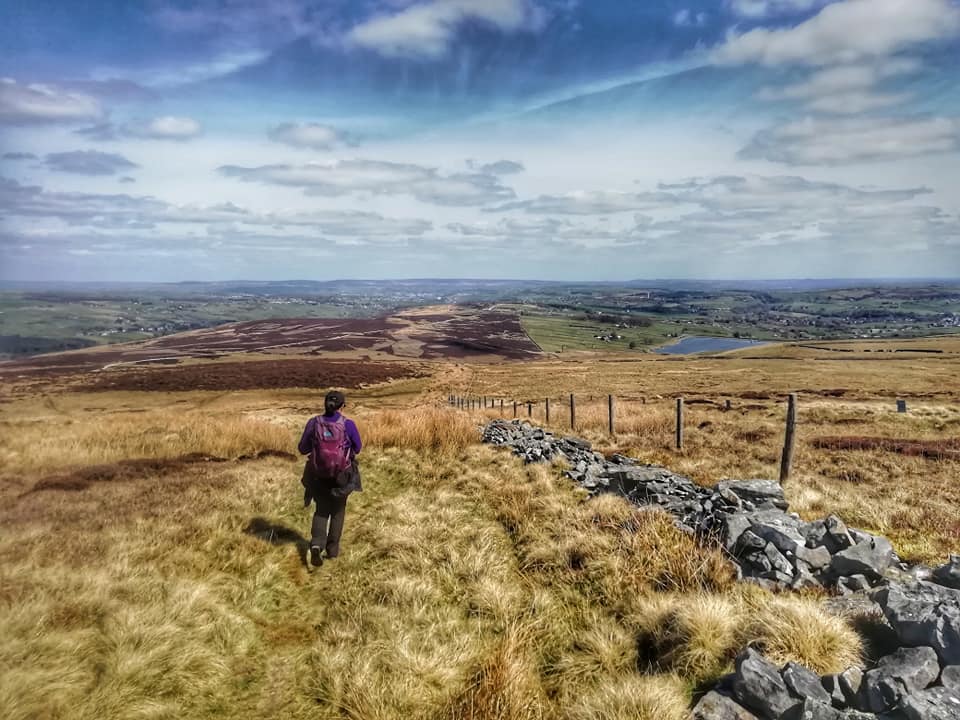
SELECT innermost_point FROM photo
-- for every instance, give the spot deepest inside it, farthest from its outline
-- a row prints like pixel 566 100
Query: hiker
pixel 331 473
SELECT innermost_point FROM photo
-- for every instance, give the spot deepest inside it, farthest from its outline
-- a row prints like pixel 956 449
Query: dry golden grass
pixel 441 430
pixel 469 587
pixel 910 499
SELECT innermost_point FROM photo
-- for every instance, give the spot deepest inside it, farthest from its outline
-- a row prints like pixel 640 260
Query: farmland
pixel 557 316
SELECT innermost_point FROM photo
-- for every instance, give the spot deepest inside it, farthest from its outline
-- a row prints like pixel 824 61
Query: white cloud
pixel 305 135
pixel 764 8
pixel 845 32
pixel 88 162
pixel 426 29
pixel 37 104
pixel 167 127
pixel 128 212
pixel 816 141
pixel 688 18
pixel 500 167
pixel 847 89
pixel 594 202
pixel 374 177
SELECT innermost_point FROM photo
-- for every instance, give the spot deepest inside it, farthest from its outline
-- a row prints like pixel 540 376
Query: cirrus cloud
pixel 38 104
pixel 88 162
pixel 817 141
pixel 345 177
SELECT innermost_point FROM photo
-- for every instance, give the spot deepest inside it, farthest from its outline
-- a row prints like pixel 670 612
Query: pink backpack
pixel 331 448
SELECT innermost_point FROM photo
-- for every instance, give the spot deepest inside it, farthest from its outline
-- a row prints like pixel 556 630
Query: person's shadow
pixel 277 534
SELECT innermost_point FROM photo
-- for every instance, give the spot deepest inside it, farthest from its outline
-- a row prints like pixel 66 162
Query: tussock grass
pixel 698 635
pixel 632 698
pixel 441 430
pixel 54 442
pixel 470 586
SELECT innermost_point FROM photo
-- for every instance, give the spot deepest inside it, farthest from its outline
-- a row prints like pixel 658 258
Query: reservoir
pixel 690 345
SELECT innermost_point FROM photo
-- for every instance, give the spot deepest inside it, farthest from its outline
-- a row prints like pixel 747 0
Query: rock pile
pixel 776 549
pixel 908 684
pixel 771 546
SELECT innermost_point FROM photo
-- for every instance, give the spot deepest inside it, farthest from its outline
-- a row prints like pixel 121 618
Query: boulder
pixel 837 537
pixel 804 683
pixel 950 677
pixel 948 575
pixel 762 494
pixel 814 710
pixel 758 686
pixel 924 614
pixel 870 558
pixel 844 688
pixel 715 706
pixel 938 703
pixel 902 673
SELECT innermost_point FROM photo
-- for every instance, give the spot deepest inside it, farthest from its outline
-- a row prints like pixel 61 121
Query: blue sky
pixel 563 139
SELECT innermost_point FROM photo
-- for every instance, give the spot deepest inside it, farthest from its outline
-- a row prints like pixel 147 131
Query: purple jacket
pixel 353 435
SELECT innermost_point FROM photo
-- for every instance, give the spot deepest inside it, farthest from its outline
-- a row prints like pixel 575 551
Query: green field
pixel 31 324
pixel 556 333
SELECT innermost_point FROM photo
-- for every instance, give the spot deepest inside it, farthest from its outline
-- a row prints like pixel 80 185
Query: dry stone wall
pixel 776 549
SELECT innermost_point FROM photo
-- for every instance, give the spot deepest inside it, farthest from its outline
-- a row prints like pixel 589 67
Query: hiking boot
pixel 315 558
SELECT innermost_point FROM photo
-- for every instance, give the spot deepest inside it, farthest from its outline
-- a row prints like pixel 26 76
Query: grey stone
pixel 782 532
pixel 759 687
pixel 715 706
pixel 817 558
pixel 855 583
pixel 948 575
pixel 757 492
pixel 778 562
pixel 869 558
pixel 730 497
pixel 902 673
pixel 814 532
pixel 831 684
pixel 950 677
pixel 844 688
pixel 804 683
pixel 938 703
pixel 837 536
pixel 815 710
pixel 924 614
pixel 749 542
pixel 851 680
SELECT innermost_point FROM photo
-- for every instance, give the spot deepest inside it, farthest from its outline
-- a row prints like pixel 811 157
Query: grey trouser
pixel 328 516
pixel 330 510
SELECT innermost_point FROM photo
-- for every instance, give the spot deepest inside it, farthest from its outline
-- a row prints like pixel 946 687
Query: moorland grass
pixel 470 587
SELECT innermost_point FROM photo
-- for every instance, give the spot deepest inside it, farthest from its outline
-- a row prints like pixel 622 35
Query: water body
pixel 691 345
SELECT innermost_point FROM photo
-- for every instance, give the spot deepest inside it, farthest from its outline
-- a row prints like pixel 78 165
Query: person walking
pixel 330 474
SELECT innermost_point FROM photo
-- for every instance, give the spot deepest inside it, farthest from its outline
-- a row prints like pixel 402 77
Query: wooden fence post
pixel 610 413
pixel 514 408
pixel 788 441
pixel 727 405
pixel 501 406
pixel 679 437
pixel 901 406
pixel 547 409
pixel 573 413
pixel 529 409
